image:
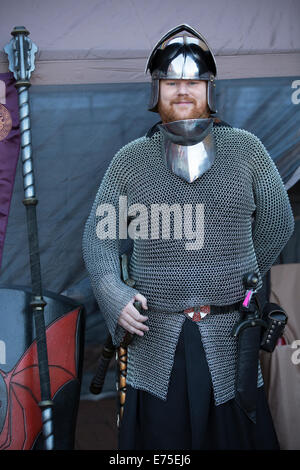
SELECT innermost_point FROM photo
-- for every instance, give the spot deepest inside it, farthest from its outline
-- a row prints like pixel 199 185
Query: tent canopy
pixel 108 41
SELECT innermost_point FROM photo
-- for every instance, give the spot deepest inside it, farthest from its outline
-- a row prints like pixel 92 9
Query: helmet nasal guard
pixel 182 53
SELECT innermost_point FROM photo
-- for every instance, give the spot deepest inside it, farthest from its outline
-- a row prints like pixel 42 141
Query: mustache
pixel 190 100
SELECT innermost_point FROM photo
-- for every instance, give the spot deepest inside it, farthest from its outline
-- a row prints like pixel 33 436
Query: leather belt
pixel 197 313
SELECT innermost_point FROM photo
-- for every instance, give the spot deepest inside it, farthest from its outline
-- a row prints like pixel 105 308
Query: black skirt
pixel 189 419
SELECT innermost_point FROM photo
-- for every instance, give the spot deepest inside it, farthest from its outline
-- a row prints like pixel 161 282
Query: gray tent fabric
pixel 77 129
pixel 266 108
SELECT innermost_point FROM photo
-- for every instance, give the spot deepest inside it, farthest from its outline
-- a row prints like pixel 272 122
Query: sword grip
pixel 105 358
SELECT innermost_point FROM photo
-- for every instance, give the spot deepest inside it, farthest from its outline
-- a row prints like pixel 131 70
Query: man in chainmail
pixel 204 204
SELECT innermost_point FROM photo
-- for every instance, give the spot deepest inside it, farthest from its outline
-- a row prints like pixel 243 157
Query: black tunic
pixel 189 419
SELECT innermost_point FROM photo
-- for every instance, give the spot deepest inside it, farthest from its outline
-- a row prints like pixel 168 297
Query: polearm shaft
pixel 21 51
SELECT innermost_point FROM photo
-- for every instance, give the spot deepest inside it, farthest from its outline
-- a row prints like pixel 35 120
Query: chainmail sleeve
pixel 101 254
pixel 274 221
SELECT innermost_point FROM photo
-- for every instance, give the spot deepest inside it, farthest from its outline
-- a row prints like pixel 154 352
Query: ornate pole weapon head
pixel 21 54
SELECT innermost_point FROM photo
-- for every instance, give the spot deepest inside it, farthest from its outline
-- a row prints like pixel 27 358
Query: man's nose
pixel 182 88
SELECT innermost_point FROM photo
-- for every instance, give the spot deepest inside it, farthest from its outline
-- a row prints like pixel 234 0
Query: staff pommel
pixel 21 51
pixel 20 30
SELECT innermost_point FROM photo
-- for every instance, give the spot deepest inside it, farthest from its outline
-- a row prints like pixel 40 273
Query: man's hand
pixel 131 319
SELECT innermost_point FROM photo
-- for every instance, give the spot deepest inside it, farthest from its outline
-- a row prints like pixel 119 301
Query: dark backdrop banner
pixel 9 148
pixel 77 129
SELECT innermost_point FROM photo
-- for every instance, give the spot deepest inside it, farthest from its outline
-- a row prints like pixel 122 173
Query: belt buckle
pixel 197 313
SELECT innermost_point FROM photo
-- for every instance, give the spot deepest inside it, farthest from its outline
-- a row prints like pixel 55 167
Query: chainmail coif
pixel 243 179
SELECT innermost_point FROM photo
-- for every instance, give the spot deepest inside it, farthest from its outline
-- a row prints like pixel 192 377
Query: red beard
pixel 169 114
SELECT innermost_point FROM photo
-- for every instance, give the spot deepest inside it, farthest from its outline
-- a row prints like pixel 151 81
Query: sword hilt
pixel 250 281
pixel 249 308
pixel 106 355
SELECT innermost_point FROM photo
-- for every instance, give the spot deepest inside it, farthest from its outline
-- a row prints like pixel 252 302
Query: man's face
pixel 182 99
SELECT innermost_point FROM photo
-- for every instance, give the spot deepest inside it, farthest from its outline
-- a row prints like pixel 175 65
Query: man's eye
pixel 171 83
